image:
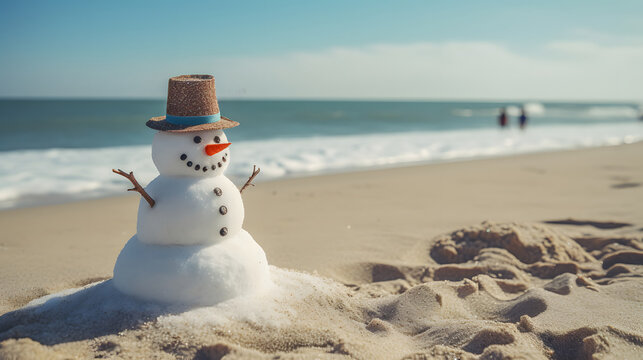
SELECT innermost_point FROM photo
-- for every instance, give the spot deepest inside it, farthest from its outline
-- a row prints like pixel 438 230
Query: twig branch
pixel 137 187
pixel 255 172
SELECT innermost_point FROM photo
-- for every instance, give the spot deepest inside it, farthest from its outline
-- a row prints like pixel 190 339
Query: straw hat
pixel 191 106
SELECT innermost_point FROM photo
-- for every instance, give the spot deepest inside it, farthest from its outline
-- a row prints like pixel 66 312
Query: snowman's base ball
pixel 192 275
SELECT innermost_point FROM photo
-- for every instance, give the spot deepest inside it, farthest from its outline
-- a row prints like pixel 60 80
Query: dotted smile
pixel 204 168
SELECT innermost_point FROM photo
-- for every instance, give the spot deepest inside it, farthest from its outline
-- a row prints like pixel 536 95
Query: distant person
pixel 523 118
pixel 502 118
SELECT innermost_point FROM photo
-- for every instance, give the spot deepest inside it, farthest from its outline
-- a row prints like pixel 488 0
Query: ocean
pixel 60 150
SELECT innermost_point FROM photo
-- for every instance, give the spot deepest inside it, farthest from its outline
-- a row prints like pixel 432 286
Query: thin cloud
pixel 562 70
pixel 571 70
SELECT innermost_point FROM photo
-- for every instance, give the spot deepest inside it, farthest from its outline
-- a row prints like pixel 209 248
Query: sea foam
pixel 587 112
pixel 38 176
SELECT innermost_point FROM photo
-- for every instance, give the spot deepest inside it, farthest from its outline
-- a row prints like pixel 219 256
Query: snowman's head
pixel 198 153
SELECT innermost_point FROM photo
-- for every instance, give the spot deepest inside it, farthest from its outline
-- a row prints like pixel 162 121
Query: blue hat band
pixel 192 120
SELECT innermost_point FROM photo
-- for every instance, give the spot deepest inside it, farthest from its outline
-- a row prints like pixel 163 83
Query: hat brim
pixel 159 123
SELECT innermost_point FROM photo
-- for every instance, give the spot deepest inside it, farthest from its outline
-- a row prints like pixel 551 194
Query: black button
pixel 223 210
pixel 183 157
pixel 197 139
pixel 218 191
pixel 223 231
pixel 197 167
pixel 189 164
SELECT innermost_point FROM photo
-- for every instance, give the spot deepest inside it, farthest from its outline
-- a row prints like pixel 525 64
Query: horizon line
pixel 454 100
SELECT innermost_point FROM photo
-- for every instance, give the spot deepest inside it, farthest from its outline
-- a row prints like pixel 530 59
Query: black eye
pixel 217 139
pixel 197 139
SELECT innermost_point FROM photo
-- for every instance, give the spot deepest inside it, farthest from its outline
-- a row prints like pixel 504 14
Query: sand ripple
pixel 488 291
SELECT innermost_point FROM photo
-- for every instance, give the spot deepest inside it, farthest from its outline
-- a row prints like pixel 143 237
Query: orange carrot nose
pixel 215 148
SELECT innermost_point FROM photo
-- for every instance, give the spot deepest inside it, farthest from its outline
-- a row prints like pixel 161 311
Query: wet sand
pixel 411 267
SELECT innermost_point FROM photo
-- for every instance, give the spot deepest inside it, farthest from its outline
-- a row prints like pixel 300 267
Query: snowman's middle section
pixel 190 247
pixel 190 211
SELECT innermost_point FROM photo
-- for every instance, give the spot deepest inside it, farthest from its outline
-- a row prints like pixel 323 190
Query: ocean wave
pixel 37 176
pixel 612 111
pixel 536 109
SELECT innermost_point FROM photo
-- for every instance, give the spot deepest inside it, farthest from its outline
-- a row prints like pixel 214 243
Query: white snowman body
pixel 190 211
pixel 190 247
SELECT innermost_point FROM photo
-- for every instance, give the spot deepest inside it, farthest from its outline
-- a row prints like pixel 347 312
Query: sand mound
pixel 484 292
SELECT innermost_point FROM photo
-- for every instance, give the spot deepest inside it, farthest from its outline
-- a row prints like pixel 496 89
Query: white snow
pixel 190 248
pixel 195 274
pixel 187 211
pixel 168 147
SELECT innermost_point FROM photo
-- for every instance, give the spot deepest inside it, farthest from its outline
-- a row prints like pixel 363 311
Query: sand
pixel 536 256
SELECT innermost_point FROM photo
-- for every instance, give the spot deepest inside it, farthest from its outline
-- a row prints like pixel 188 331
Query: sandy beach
pixel 535 256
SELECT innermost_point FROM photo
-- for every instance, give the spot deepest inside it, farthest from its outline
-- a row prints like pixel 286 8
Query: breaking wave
pixel 31 177
pixel 536 109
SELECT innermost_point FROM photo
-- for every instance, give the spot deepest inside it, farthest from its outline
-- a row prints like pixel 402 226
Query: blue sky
pixel 325 49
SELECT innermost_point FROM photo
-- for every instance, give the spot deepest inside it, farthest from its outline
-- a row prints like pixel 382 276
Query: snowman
pixel 190 247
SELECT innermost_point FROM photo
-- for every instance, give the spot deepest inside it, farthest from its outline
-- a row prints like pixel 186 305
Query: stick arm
pixel 255 172
pixel 137 187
